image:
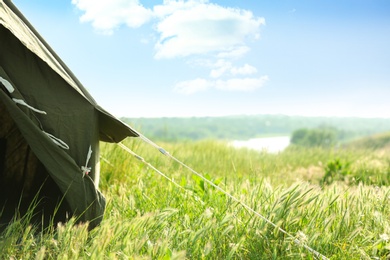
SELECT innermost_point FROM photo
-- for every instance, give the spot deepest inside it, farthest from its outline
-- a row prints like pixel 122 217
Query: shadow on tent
pixel 24 181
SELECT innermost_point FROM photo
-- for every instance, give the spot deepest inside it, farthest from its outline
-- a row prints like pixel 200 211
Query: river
pixel 269 144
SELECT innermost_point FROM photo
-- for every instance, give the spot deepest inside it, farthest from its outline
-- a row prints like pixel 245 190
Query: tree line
pixel 246 127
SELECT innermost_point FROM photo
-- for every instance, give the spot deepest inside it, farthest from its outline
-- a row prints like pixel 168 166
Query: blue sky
pixel 216 58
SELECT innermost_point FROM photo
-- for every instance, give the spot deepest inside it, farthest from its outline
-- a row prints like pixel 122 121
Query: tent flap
pixel 84 199
pixel 58 120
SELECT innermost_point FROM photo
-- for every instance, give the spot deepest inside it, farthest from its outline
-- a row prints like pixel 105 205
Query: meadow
pixel 335 201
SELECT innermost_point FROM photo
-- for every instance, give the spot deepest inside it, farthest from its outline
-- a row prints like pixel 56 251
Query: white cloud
pixel 170 6
pixel 241 84
pixel 184 27
pixel 192 28
pixel 203 28
pixel 222 67
pixel 106 16
pixel 192 86
pixel 236 52
pixel 244 70
pixel 236 84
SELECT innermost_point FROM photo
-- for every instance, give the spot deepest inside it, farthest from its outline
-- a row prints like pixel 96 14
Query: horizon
pixel 254 115
pixel 140 59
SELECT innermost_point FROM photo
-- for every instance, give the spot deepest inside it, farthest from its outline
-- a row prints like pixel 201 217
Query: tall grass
pixel 148 217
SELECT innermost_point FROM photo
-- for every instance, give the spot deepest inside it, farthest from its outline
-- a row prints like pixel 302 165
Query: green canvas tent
pixel 50 128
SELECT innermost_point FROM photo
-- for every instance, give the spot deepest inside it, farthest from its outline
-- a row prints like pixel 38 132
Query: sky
pixel 142 58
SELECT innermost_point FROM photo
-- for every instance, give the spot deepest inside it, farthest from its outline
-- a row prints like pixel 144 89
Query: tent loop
pixel 11 89
pixel 86 170
pixel 57 141
pixel 7 85
pixel 22 102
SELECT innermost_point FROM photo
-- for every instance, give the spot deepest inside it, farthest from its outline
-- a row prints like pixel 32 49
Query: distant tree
pixel 317 137
pixel 299 136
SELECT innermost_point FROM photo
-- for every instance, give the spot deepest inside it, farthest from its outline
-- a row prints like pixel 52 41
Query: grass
pixel 148 217
pixel 377 141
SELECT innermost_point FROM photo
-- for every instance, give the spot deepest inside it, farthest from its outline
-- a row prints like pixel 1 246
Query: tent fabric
pixel 111 129
pixel 59 120
pixel 79 191
pixel 20 30
pixel 27 175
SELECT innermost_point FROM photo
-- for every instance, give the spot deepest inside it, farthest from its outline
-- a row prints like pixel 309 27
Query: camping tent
pixel 50 128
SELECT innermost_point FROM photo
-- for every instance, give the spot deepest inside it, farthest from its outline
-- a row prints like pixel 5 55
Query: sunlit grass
pixel 148 217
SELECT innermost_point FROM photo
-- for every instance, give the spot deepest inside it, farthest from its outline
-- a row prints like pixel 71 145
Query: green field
pixel 335 201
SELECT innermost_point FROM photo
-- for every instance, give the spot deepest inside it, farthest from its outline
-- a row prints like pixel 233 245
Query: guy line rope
pixel 164 152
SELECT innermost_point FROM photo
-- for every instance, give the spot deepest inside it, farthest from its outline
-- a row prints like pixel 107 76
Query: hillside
pixel 246 127
pixel 376 141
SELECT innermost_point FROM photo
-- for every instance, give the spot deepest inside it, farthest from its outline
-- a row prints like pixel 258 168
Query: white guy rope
pixel 124 147
pixel 163 151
